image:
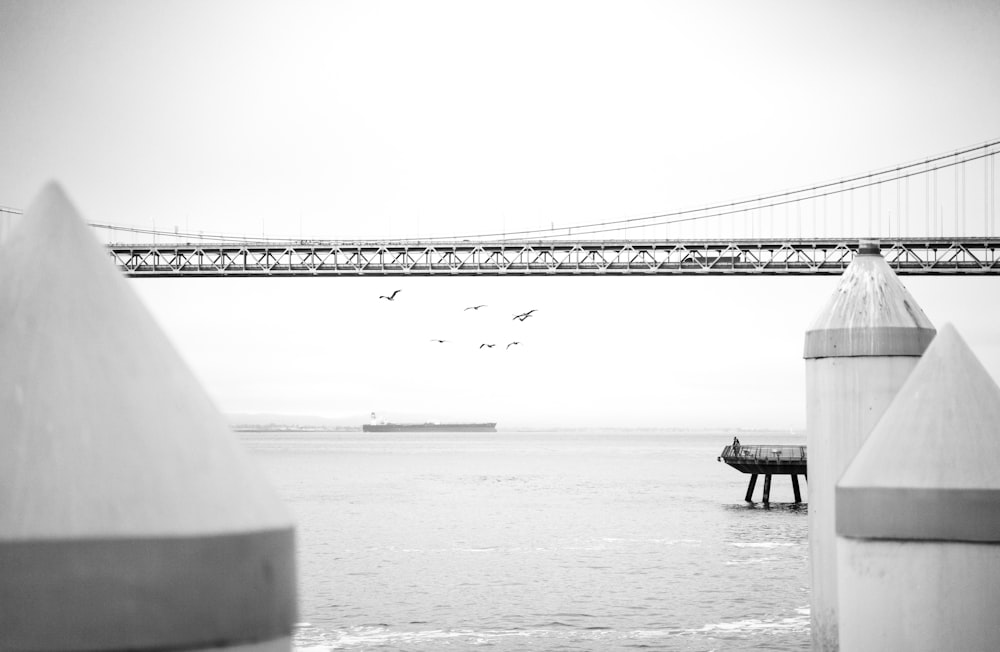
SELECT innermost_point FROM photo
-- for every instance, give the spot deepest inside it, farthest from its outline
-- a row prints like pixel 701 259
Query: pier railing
pixel 764 453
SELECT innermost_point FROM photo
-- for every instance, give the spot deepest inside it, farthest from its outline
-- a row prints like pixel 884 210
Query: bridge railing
pixel 764 453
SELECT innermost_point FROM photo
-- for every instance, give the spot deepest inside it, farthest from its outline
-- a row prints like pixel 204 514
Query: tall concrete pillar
pixel 130 516
pixel 918 514
pixel 858 352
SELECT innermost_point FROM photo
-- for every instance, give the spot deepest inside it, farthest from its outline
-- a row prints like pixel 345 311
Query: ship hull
pixel 429 427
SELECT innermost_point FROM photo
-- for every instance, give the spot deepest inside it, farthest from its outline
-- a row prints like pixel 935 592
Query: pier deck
pixel 767 460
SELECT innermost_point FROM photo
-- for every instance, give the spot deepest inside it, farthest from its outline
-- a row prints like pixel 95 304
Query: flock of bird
pixel 519 317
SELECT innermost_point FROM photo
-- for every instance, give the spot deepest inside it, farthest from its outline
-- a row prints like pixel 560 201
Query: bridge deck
pixel 943 256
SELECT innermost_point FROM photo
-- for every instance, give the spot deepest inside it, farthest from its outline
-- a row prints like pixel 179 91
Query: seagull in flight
pixel 391 297
pixel 475 307
pixel 439 341
pixel 487 345
pixel 525 315
pixel 511 344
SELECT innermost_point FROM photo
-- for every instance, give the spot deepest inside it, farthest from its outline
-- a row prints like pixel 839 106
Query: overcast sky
pixel 398 119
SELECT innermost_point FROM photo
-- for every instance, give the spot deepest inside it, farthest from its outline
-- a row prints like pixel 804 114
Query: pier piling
pixel 858 352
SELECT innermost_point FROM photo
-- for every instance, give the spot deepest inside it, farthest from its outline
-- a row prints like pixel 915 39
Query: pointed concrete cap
pixel 869 314
pixel 130 516
pixel 928 470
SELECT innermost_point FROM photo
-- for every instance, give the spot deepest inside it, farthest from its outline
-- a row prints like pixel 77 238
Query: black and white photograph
pixel 516 326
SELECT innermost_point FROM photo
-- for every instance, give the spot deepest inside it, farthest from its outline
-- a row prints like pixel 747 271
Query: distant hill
pixel 265 421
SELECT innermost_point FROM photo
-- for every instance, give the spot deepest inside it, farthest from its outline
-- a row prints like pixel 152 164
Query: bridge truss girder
pixel 946 256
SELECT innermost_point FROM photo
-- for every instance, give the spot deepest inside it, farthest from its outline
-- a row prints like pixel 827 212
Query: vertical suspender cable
pixel 798 218
pixel 787 231
pixel 898 208
pixel 878 209
pixel 927 203
pixel 841 194
pixel 934 201
pixel 906 207
pixel 869 205
pixel 851 215
pixel 954 192
pixel 964 217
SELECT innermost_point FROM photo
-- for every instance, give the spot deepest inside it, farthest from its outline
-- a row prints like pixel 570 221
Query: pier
pixel 767 460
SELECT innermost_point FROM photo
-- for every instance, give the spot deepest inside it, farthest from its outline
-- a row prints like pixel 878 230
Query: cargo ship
pixel 376 426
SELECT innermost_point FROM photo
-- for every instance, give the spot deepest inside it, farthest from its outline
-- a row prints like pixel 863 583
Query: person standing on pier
pixel 736 445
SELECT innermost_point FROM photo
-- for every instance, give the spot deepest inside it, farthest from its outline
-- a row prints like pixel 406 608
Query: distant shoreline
pixel 285 428
pixel 294 429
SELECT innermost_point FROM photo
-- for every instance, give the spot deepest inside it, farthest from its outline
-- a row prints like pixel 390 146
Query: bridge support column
pixel 795 488
pixel 753 483
pixel 767 489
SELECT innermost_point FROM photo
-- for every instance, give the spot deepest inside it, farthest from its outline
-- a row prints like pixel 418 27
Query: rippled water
pixel 538 541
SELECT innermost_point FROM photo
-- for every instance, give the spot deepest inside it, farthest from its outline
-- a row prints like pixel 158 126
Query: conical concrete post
pixel 918 514
pixel 130 516
pixel 858 351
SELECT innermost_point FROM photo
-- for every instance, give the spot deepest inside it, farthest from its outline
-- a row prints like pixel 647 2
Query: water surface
pixel 538 541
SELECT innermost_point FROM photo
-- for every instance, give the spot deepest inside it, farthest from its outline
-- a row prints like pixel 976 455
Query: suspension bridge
pixel 932 216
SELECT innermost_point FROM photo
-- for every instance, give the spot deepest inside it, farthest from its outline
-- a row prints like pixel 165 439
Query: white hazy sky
pixel 398 119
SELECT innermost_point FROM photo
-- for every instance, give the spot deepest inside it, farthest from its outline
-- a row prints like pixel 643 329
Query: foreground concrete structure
pixel 858 351
pixel 918 514
pixel 130 516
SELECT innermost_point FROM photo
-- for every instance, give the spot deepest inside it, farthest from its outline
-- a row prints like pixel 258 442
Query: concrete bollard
pixel 858 352
pixel 918 514
pixel 130 516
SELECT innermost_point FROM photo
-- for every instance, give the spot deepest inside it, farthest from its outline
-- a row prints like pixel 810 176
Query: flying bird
pixel 391 297
pixel 475 307
pixel 525 315
pixel 439 341
pixel 511 344
pixel 488 345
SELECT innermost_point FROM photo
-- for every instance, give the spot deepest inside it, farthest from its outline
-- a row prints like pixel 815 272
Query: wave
pixel 310 639
pixel 663 542
pixel 799 623
pixel 746 562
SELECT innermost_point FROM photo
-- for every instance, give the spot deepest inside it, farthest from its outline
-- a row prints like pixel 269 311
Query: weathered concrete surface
pixel 918 514
pixel 129 513
pixel 941 431
pixel 900 595
pixel 859 351
pixel 870 313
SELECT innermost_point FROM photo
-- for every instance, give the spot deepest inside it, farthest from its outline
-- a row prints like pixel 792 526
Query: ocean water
pixel 538 541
